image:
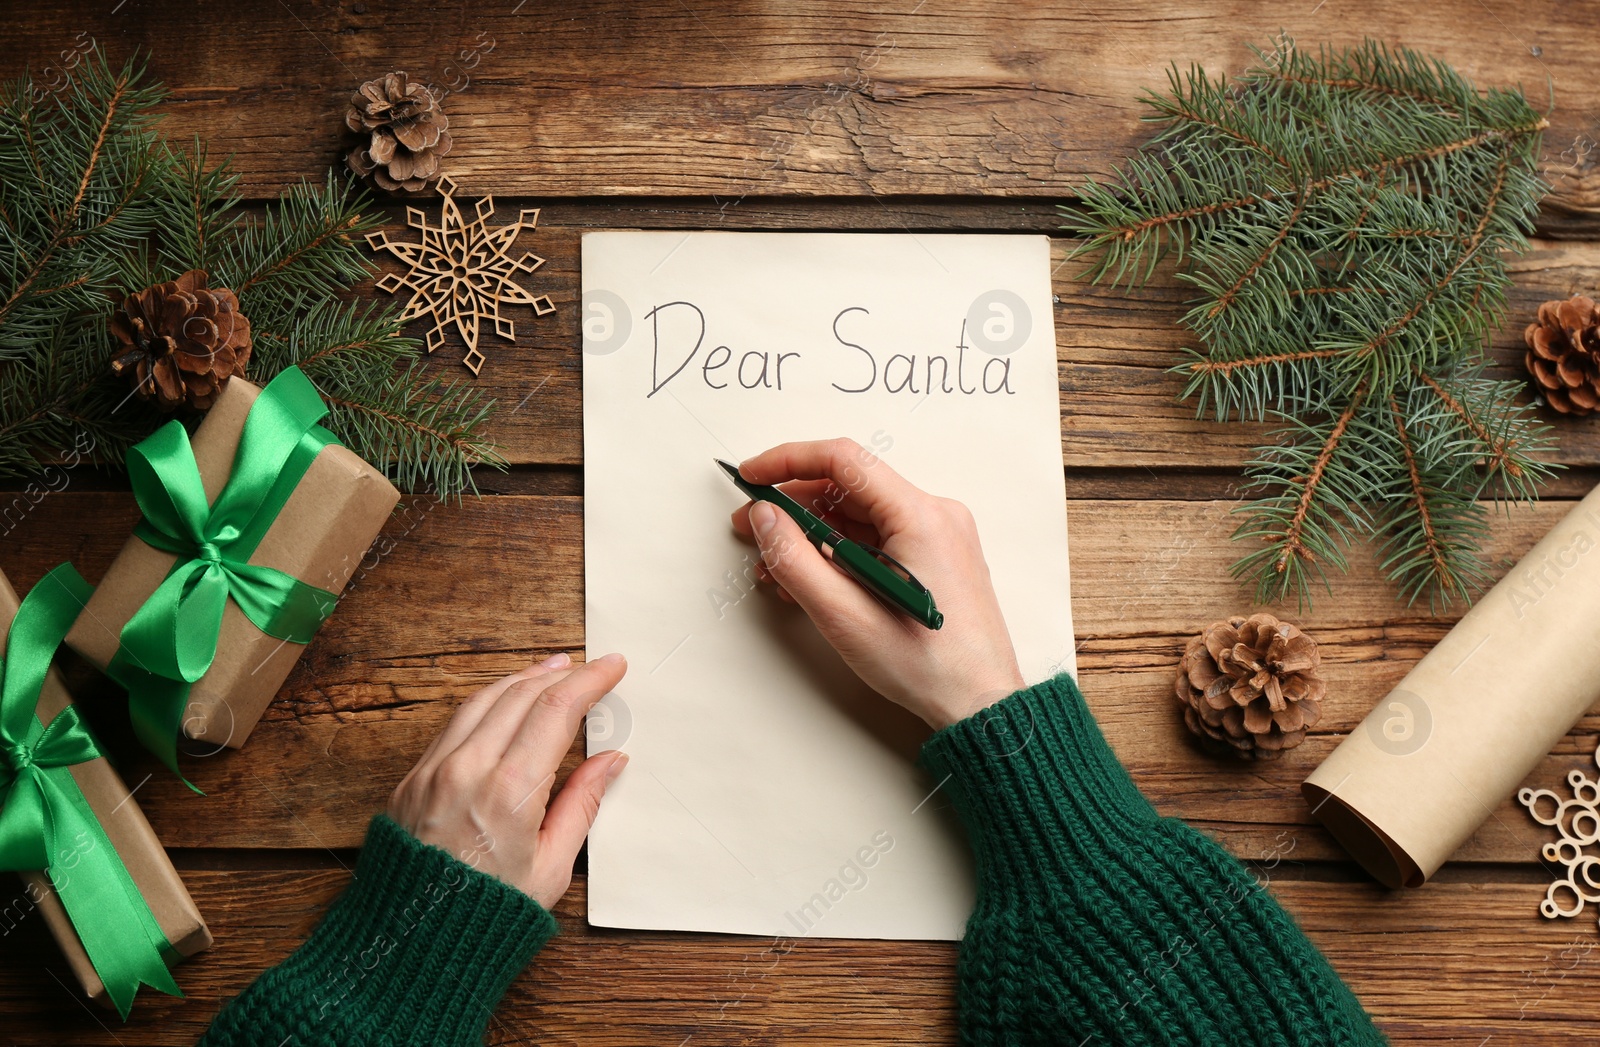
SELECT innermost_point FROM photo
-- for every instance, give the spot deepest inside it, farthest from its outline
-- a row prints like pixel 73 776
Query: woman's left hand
pixel 482 791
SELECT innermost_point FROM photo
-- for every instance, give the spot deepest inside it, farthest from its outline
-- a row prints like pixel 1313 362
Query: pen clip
pixel 889 561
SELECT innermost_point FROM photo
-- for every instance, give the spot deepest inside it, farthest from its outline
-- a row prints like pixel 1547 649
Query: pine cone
pixel 408 133
pixel 1564 354
pixel 180 342
pixel 1250 686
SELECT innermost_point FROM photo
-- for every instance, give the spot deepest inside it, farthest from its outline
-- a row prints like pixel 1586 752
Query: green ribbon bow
pixel 171 641
pixel 45 820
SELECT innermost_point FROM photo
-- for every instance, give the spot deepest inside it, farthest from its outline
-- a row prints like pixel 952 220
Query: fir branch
pixel 304 244
pixel 1103 236
pixel 1366 207
pixel 201 209
pixel 76 187
pixel 1419 501
pixel 424 433
pixel 1385 168
pixel 1343 217
pixel 1370 68
pixel 1499 451
pixel 1485 429
pixel 1434 526
pixel 1293 540
pixel 119 91
pixel 1197 101
pixel 1209 367
pixel 1296 292
pixel 424 430
pixel 1468 249
pixel 94 203
pixel 1254 386
pixel 1226 298
pixel 1299 534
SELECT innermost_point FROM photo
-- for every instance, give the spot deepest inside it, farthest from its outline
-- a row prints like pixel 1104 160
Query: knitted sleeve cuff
pixel 419 945
pixel 1036 785
pixel 1095 914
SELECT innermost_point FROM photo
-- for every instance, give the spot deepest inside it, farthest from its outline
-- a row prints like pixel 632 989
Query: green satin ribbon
pixel 171 641
pixel 45 821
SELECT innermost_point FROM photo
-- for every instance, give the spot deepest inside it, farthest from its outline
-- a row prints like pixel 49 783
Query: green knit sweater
pixel 1097 921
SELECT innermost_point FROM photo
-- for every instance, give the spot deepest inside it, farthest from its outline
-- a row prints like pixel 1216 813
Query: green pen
pixel 875 569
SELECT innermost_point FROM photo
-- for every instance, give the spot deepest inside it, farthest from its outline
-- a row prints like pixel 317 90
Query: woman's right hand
pixel 942 675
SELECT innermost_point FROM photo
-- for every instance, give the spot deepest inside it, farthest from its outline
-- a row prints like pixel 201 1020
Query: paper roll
pixel 1431 762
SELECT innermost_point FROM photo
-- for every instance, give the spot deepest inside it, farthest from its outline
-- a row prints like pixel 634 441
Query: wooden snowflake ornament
pixel 1577 825
pixel 461 272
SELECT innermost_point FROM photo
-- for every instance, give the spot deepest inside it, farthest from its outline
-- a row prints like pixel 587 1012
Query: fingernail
pixel 616 767
pixel 608 658
pixel 557 661
pixel 763 518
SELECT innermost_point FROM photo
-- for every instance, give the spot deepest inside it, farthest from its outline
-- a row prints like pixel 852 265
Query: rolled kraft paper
pixel 1434 759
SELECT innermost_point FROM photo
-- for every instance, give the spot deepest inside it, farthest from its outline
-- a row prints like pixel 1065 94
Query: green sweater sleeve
pixel 418 950
pixel 1098 921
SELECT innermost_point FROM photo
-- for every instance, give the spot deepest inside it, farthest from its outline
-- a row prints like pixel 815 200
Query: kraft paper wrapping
pixel 129 833
pixel 1431 762
pixel 320 537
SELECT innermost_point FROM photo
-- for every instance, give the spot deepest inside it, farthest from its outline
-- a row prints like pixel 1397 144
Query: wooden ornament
pixel 1577 825
pixel 461 272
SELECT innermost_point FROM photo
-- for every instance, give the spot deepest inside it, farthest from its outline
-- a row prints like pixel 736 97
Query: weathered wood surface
pixel 1456 965
pixel 899 118
pixel 622 98
pixel 1119 403
pixel 416 633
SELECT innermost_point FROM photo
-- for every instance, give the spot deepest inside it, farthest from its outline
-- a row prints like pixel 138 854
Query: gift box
pixel 250 531
pixel 109 894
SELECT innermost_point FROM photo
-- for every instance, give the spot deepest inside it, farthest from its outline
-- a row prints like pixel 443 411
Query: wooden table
pixel 944 115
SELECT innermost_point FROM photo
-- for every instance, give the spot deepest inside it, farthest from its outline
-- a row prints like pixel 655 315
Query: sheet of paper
pixel 769 792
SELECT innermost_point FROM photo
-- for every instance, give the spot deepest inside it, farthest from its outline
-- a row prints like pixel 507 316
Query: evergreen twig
pixel 1343 216
pixel 94 204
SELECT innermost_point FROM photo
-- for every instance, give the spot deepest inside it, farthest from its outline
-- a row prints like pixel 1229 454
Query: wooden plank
pixel 1119 404
pixel 1120 407
pixel 424 625
pixel 617 99
pixel 589 986
pixel 1453 963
